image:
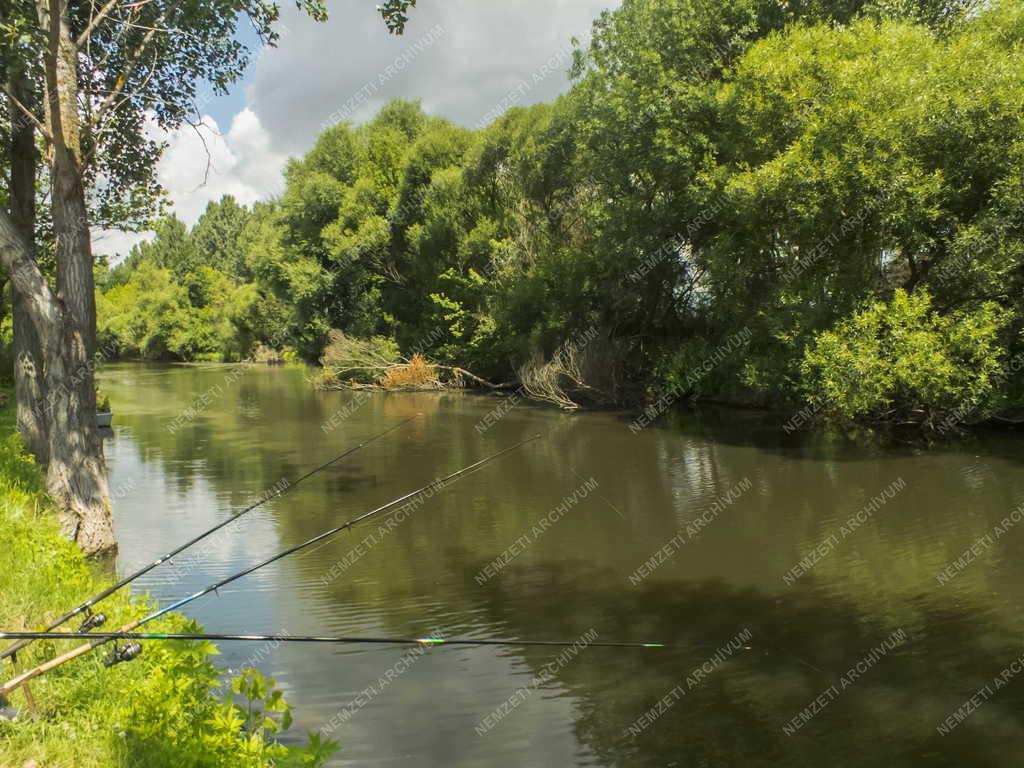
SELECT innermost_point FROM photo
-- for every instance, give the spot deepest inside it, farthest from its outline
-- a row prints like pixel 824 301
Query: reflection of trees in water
pixel 800 643
pixel 253 431
pixel 267 427
pixel 799 646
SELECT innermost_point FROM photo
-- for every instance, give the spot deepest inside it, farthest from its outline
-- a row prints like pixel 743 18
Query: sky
pixel 467 60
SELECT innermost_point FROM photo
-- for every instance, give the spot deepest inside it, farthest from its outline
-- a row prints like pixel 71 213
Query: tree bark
pixel 25 275
pixel 28 382
pixel 76 475
pixel 27 343
pixel 70 216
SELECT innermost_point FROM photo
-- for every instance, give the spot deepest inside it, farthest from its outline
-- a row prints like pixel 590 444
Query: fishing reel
pixel 121 653
pixel 92 621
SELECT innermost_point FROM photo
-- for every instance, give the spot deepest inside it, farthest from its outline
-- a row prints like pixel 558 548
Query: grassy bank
pixel 163 709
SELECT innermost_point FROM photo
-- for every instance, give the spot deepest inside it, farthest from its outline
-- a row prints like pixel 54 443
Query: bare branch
pixel 27 112
pixel 94 22
pixel 209 156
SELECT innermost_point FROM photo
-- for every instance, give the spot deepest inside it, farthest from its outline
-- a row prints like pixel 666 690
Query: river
pixel 827 603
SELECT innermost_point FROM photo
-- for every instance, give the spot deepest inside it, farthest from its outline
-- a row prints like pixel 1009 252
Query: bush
pixel 900 361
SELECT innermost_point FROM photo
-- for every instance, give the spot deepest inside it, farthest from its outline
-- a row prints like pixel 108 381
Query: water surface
pixel 690 532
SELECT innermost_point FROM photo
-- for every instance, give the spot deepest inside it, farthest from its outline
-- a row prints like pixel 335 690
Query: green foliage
pixel 856 161
pixel 742 167
pixel 102 400
pixel 216 237
pixel 395 13
pixel 163 710
pixel 204 294
pixel 901 360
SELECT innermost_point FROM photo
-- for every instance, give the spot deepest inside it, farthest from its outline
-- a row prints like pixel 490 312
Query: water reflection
pixel 424 575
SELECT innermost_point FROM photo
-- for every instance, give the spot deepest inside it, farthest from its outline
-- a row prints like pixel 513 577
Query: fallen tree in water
pixel 351 363
pixel 566 378
pixel 563 379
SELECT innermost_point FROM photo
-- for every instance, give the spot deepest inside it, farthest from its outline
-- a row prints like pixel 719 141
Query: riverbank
pixel 163 709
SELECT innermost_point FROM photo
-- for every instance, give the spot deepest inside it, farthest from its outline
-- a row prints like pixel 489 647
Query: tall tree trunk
pixel 27 343
pixel 70 216
pixel 76 475
pixel 74 478
pixel 29 382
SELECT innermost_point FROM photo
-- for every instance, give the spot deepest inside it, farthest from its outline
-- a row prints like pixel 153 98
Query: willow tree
pixel 85 78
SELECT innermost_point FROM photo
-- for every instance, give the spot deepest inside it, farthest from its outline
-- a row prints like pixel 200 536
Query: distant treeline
pixel 838 184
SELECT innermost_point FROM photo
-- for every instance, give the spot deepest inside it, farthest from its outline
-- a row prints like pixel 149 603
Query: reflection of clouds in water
pixel 249 407
pixel 975 476
pixel 154 514
pixel 438 699
pixel 695 474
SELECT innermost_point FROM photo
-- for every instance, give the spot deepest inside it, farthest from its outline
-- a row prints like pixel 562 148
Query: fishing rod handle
pixel 42 669
pixel 64 658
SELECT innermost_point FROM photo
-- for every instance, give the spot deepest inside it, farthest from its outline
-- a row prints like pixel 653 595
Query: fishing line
pixel 93 621
pixel 135 649
pixel 355 640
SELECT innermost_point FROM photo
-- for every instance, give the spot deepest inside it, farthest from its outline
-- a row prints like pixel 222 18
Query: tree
pixel 884 157
pixel 746 170
pixel 101 69
pixel 215 237
pixel 27 347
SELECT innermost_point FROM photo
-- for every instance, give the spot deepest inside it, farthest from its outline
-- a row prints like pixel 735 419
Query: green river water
pixel 827 604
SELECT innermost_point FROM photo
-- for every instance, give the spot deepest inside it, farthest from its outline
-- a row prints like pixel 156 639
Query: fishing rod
pixel 136 636
pixel 134 651
pixel 92 621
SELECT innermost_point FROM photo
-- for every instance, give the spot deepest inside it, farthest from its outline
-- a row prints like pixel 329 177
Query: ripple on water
pixel 424 576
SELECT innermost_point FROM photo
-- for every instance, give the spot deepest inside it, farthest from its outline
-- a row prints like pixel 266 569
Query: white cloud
pixel 467 60
pixel 201 165
pixel 462 58
pixel 114 243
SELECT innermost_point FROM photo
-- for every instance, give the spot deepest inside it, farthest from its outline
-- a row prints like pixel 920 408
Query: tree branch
pixel 129 69
pixel 27 112
pixel 94 22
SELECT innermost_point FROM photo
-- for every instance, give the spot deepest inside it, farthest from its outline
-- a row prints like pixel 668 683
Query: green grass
pixel 163 709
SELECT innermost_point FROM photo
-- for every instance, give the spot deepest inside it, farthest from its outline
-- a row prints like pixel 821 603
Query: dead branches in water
pixel 350 363
pixel 347 360
pixel 416 374
pixel 577 373
pixel 563 380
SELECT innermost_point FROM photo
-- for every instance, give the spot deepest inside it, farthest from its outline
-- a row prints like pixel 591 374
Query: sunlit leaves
pixel 900 360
